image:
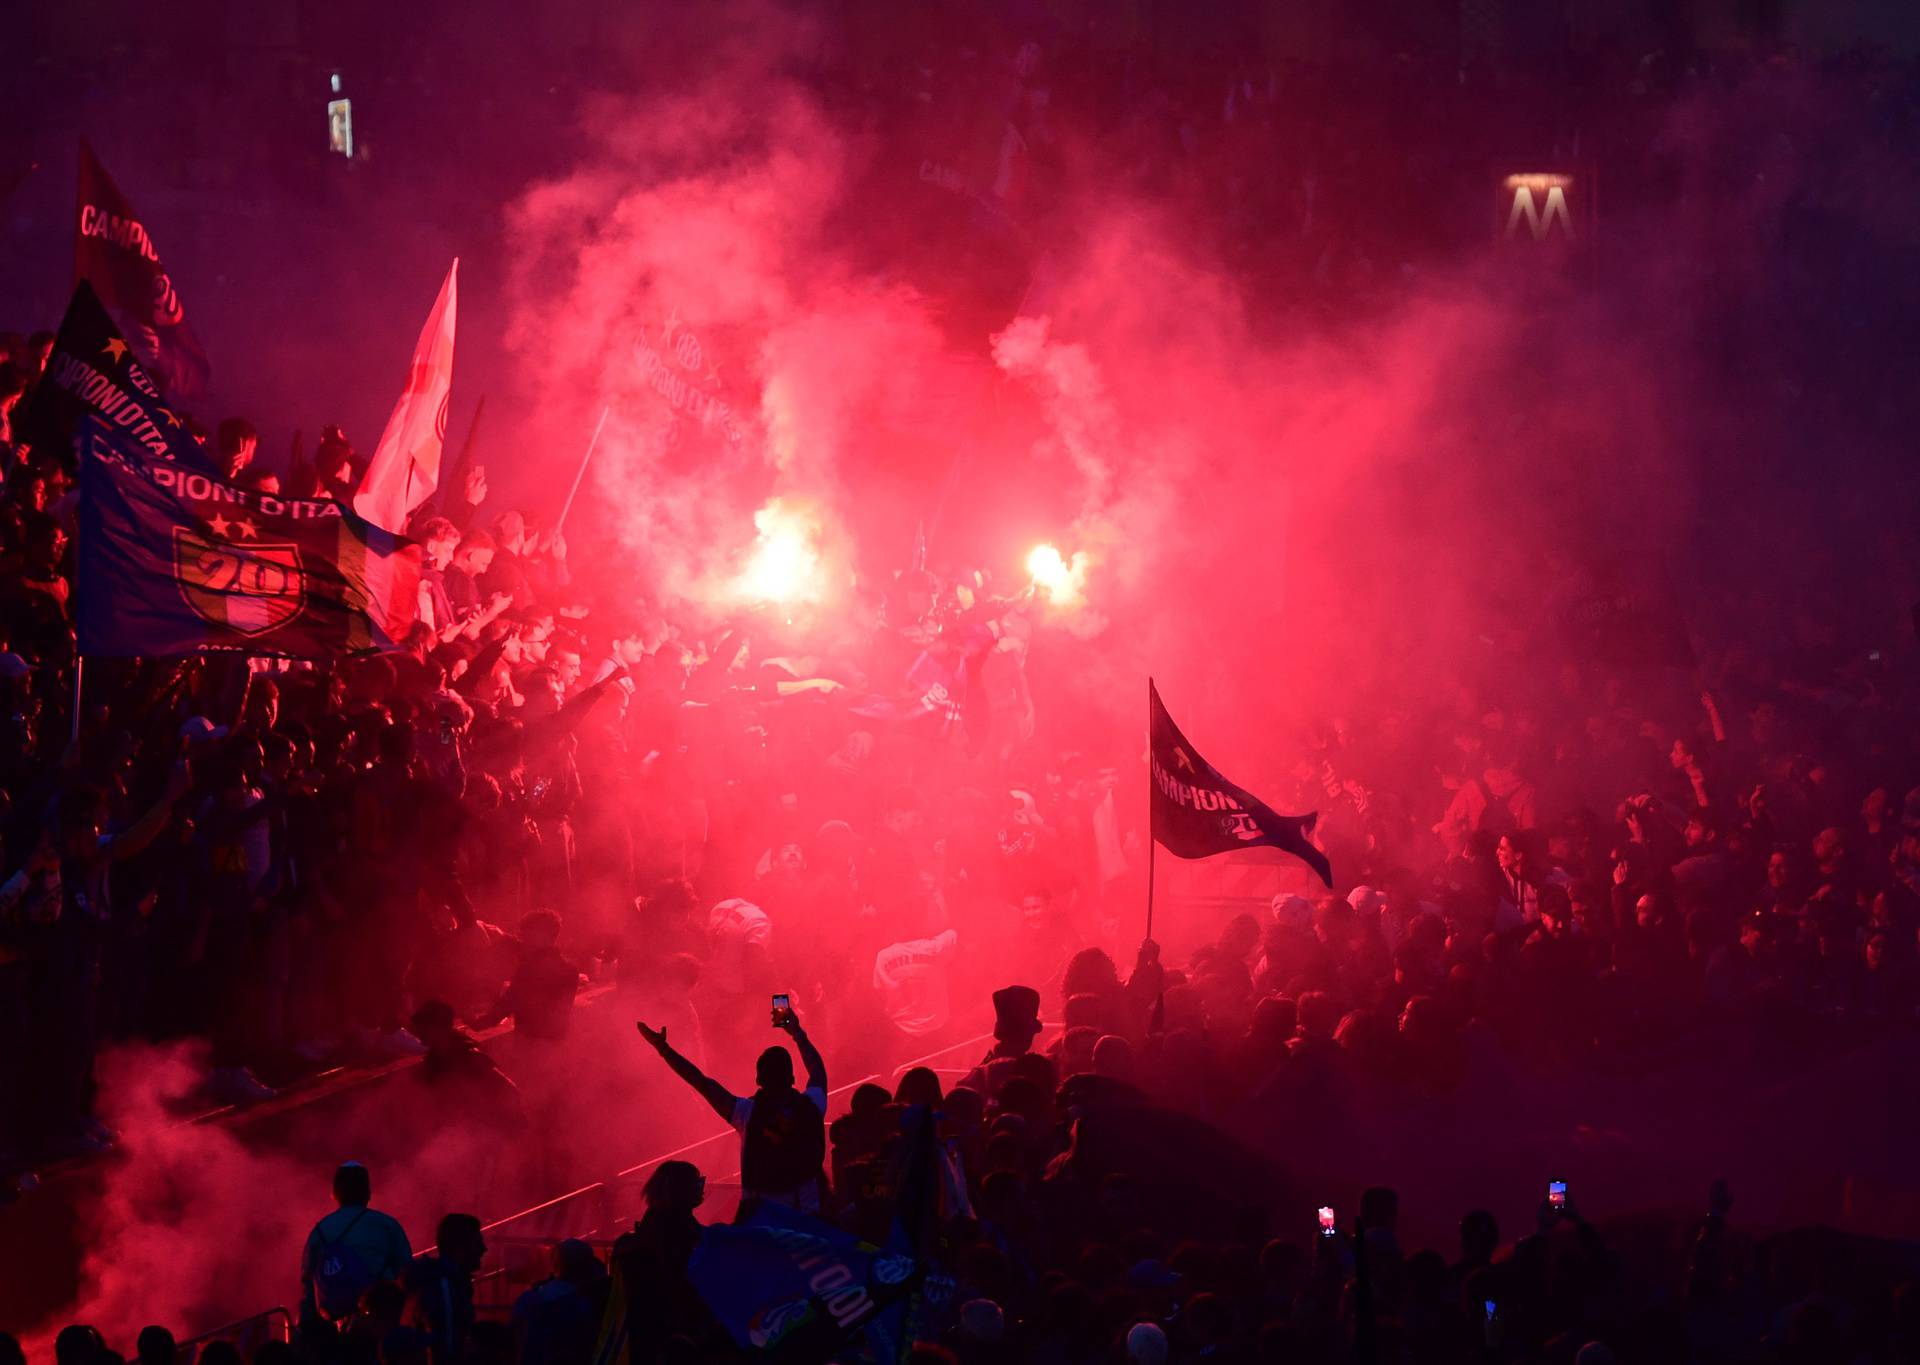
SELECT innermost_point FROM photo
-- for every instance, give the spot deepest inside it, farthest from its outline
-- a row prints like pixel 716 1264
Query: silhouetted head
pixel 920 1085
pixel 433 1023
pixel 1380 1207
pixel 675 1187
pixel 1016 1016
pixel 1479 1237
pixel 352 1184
pixel 574 1262
pixel 774 1070
pixel 460 1241
pixel 77 1345
pixel 540 929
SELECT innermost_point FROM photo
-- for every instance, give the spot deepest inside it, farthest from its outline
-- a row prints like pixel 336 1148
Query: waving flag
pixel 92 369
pixel 173 561
pixel 114 252
pixel 790 1287
pixel 406 464
pixel 1197 812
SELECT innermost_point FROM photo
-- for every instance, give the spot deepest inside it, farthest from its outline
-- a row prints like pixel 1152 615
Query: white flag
pixel 406 464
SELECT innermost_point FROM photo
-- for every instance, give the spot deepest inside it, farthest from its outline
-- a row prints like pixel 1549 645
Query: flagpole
pixel 79 673
pixel 1151 841
pixel 581 473
pixel 1157 1016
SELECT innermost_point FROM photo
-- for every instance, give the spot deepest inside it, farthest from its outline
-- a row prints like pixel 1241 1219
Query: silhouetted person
pixel 651 1262
pixel 1016 1023
pixel 783 1135
pixel 78 1344
pixel 557 1320
pixel 440 1286
pixel 155 1346
pixel 349 1250
pixel 462 1079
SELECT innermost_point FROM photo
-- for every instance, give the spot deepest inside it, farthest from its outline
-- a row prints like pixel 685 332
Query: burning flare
pixel 1061 580
pixel 784 565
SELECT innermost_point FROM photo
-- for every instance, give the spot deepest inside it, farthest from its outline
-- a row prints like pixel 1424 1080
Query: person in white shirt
pixel 740 935
pixel 783 1131
pixel 911 977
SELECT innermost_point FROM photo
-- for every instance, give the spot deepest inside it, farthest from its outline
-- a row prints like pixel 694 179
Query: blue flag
pixel 796 1288
pixel 173 561
pixel 93 370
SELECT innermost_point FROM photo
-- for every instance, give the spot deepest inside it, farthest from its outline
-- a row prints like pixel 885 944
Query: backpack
pixel 340 1276
pixel 786 1142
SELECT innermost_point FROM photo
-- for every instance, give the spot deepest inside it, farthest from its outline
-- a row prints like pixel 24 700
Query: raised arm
pixel 715 1094
pixel 809 1054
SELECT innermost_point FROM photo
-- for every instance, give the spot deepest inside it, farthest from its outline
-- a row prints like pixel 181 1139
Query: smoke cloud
pixel 1281 509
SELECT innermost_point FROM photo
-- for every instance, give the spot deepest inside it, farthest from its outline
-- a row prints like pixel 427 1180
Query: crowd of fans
pixel 559 784
pixel 304 861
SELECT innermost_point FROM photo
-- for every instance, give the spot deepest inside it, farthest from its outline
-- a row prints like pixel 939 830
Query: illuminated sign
pixel 340 127
pixel 1544 206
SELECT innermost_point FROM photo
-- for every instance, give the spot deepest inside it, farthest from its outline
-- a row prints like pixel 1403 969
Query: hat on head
pixel 1293 912
pixel 198 728
pixel 1016 1009
pixel 13 666
pixel 1365 900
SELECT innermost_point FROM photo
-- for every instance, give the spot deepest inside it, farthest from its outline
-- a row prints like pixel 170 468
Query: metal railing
pixel 247 1334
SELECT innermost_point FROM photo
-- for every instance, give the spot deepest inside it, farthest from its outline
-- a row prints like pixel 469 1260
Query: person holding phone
pixel 783 1131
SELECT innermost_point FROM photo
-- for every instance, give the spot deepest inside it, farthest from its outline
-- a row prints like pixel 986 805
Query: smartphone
pixel 1557 1193
pixel 1492 1309
pixel 1327 1225
pixel 782 1007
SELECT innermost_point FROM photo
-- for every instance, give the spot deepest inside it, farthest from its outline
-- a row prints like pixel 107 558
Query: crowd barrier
pixel 246 1335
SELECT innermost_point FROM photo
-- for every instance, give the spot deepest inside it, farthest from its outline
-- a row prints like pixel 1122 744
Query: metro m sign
pixel 1547 207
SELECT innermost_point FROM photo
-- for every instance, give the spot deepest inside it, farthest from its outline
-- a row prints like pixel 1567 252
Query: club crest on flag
pixel 251 588
pixel 778 1320
pixel 1240 825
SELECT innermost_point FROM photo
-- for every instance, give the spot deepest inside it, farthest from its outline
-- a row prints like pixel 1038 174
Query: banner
pixel 1197 812
pixel 91 370
pixel 114 252
pixel 173 561
pixel 406 464
pixel 1630 620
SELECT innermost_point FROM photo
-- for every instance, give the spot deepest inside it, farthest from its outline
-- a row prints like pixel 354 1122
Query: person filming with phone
pixel 783 1131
